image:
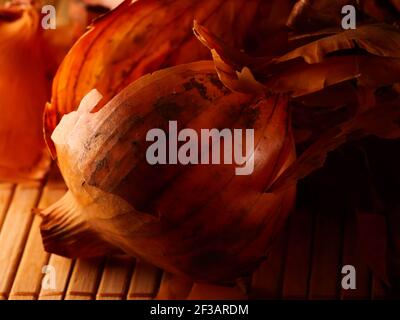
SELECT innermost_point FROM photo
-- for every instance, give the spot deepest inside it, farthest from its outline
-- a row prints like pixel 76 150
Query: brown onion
pixel 29 57
pixel 200 221
pixel 24 90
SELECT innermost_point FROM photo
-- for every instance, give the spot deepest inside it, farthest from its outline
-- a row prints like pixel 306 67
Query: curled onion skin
pixel 199 221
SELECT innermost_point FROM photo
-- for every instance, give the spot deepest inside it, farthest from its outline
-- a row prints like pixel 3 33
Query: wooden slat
pixel 14 233
pixel 298 263
pixel 63 267
pixel 145 282
pixel 6 193
pixel 284 274
pixel 28 280
pixel 85 279
pixel 352 256
pixel 327 248
pixel 268 278
pixel 115 280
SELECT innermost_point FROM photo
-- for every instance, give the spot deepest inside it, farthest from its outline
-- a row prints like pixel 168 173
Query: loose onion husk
pixel 315 68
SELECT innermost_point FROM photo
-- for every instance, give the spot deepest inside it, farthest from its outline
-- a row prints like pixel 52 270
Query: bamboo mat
pixel 305 263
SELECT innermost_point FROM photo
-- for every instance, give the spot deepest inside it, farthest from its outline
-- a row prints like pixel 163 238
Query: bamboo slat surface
pixel 14 232
pixel 305 261
pixel 115 279
pixel 28 279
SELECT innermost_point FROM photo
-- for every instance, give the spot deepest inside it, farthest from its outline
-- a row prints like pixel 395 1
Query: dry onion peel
pixel 139 37
pixel 312 67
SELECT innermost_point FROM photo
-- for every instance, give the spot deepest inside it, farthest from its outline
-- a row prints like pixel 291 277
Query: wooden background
pixel 305 262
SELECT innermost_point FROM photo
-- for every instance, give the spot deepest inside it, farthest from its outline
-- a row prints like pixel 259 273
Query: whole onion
pixel 24 90
pixel 200 221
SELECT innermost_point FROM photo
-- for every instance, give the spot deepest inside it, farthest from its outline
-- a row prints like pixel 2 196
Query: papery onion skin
pixel 199 221
pixel 143 36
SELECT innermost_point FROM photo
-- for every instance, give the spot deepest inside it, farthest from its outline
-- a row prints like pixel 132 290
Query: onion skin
pixel 139 37
pixel 199 221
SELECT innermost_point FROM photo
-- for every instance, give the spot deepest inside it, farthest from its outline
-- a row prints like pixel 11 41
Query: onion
pixel 24 90
pixel 203 222
pixel 111 4
pixel 29 57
